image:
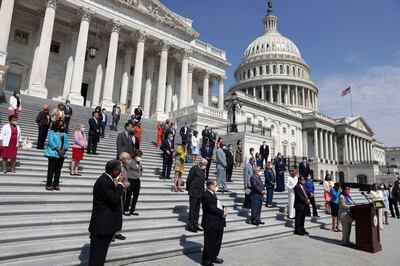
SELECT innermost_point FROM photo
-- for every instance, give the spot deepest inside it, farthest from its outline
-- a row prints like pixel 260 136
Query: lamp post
pixel 388 167
pixel 234 106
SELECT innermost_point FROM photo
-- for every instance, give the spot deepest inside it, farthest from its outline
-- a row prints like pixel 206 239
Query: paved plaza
pixel 322 247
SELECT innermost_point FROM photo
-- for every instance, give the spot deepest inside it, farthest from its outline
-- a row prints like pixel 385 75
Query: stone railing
pixel 320 116
pixel 209 49
pixel 200 109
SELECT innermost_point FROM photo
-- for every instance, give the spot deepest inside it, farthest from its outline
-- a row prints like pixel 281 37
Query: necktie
pixel 304 191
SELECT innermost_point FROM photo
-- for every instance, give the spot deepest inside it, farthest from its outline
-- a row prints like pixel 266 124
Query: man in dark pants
pixel 103 122
pixel 116 115
pixel 184 132
pixel 264 152
pixel 106 213
pixel 304 168
pixel 195 187
pixel 256 195
pixel 248 172
pixel 302 206
pixel 167 147
pixel 213 223
pixel 94 134
pixel 393 201
pixel 124 141
pixel 207 153
pixel 67 115
pixel 229 162
pixel 43 120
pixel 310 189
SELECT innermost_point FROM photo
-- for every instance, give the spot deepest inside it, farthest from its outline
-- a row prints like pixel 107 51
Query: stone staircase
pixel 38 227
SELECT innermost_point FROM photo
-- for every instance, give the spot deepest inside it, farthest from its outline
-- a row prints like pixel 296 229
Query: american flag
pixel 346 91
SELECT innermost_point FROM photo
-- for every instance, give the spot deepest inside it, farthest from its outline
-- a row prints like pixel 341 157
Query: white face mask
pixel 203 167
pixel 83 129
pixel 308 177
pixel 138 159
pixel 14 123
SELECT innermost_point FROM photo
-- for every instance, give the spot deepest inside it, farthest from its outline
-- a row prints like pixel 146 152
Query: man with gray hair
pixel 256 195
pixel 195 188
pixel 248 172
pixel 221 166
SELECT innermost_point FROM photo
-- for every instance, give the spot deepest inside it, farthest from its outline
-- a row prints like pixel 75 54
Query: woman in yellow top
pixel 180 156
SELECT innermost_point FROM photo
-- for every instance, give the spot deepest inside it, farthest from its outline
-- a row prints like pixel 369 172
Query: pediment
pixel 160 13
pixel 360 124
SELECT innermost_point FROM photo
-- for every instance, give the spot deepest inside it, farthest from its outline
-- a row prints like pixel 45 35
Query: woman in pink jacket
pixel 80 143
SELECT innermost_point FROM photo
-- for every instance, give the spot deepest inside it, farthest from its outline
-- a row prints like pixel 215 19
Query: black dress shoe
pixel 261 223
pixel 219 190
pixel 119 237
pixel 198 228
pixel 306 233
pixel 298 233
pixel 254 223
pixel 218 261
pixel 191 229
pixel 226 190
pixel 134 213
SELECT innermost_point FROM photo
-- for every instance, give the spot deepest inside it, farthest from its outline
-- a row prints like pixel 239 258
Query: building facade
pixel 105 52
pixel 274 90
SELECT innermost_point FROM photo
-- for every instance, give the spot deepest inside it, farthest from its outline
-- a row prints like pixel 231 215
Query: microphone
pixel 362 193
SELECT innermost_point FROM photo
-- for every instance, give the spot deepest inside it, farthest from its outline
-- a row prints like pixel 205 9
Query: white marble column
pixel 355 151
pixel 331 146
pixel 335 149
pixel 70 62
pixel 206 84
pixel 100 61
pixel 345 149
pixel 303 97
pixel 271 94
pixel 309 100
pixel 107 101
pixel 263 92
pixel 361 150
pixel 189 101
pixel 316 150
pixel 321 144
pixel 326 140
pixel 280 94
pixel 6 12
pixel 370 150
pixel 351 147
pixel 184 79
pixel 126 74
pixel 162 79
pixel 221 89
pixel 77 75
pixel 138 71
pixel 296 96
pixel 39 72
pixel 254 92
pixel 150 65
pixel 305 142
pixel 287 95
pixel 170 86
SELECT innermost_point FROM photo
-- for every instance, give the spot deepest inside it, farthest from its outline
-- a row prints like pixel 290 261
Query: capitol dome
pixel 273 70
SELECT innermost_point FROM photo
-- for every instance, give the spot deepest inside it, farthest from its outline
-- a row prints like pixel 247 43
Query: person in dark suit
pixel 264 152
pixel 207 153
pixel 212 137
pixel 103 123
pixel 213 223
pixel 184 133
pixel 172 131
pixel 67 115
pixel 116 115
pixel 106 216
pixel 270 183
pixel 43 120
pixel 125 141
pixel 166 129
pixel 304 168
pixel 167 146
pixel 393 202
pixel 138 113
pixel 229 162
pixel 195 188
pixel 280 168
pixel 256 195
pixel 94 134
pixel 205 132
pixel 302 207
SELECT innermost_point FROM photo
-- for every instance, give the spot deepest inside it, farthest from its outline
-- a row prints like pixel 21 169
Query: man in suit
pixel 94 134
pixel 103 122
pixel 256 195
pixel 302 207
pixel 167 146
pixel 304 168
pixel 138 112
pixel 172 131
pixel 248 172
pixel 184 133
pixel 212 137
pixel 393 202
pixel 213 223
pixel 106 213
pixel 229 162
pixel 125 141
pixel 166 129
pixel 205 132
pixel 116 115
pixel 67 115
pixel 207 153
pixel 195 188
pixel 221 174
pixel 264 151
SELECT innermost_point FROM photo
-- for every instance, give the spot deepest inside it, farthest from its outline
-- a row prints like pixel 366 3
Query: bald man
pixel 195 188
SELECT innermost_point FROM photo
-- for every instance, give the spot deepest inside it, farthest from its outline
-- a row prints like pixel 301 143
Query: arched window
pixel 293 71
pixel 287 70
pixel 261 70
pixel 254 72
pixel 298 72
pixel 281 69
pixel 274 69
pixel 248 73
pixel 244 74
pixel 267 69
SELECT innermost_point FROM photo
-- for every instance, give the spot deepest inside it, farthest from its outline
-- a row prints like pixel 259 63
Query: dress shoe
pixel 219 190
pixel 126 214
pixel 226 190
pixel 261 223
pixel 198 228
pixel 119 237
pixel 306 233
pixel 254 223
pixel 218 261
pixel 134 213
pixel 298 233
pixel 191 229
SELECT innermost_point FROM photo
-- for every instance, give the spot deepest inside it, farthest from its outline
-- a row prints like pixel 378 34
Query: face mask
pixel 203 167
pixel 138 159
pixel 308 177
pixel 128 162
pixel 83 129
pixel 171 138
pixel 382 187
pixel 14 123
pixel 304 161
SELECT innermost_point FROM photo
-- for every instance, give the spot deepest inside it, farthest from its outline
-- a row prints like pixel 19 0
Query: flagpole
pixel 351 102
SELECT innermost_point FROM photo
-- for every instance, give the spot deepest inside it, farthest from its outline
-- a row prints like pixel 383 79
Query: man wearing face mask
pixel 106 217
pixel 67 115
pixel 301 205
pixel 251 154
pixel 264 151
pixel 309 184
pixel 168 149
pixel 134 170
pixel 195 188
pixel 207 153
pixel 304 168
pixel 346 216
pixel 229 162
pixel 256 195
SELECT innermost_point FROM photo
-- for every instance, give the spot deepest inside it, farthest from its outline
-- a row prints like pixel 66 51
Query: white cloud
pixel 375 96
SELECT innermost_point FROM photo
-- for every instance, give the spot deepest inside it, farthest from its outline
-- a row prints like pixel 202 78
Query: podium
pixel 367 228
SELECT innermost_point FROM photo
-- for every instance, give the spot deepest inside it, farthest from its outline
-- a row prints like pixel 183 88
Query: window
pixel 261 70
pixel 13 82
pixel 281 69
pixel 287 70
pixel 267 69
pixel 292 132
pixel 260 123
pixel 248 122
pixel 132 70
pixel 293 71
pixel 284 130
pixel 260 94
pixel 274 69
pixel 284 146
pixel 248 73
pixel 293 151
pixel 21 37
pixel 254 72
pixel 55 47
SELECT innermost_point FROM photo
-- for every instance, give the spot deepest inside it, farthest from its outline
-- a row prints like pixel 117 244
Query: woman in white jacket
pixel 290 184
pixel 15 104
pixel 10 138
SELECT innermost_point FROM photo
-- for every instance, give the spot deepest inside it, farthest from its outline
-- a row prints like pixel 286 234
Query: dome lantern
pixel 270 21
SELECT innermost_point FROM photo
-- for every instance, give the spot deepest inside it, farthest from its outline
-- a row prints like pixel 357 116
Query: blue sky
pixel 345 42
